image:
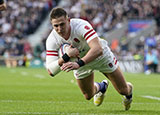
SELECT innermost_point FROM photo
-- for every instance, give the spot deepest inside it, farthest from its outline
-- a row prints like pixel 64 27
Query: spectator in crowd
pixel 21 19
pixel 105 15
pixel 10 60
pixel 151 61
pixel 2 5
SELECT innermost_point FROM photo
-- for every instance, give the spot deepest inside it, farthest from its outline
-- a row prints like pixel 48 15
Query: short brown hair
pixel 57 12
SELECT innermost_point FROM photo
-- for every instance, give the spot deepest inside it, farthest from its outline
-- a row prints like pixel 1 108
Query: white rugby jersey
pixel 81 33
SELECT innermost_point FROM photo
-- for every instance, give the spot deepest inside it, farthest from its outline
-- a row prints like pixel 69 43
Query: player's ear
pixel 69 19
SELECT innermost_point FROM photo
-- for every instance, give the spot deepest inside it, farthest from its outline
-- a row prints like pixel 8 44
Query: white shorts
pixel 107 63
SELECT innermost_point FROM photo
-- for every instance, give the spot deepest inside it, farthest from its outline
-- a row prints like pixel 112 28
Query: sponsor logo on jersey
pixel 76 40
pixel 87 27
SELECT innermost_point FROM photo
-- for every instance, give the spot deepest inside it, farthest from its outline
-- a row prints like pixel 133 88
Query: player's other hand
pixel 69 66
pixel 73 52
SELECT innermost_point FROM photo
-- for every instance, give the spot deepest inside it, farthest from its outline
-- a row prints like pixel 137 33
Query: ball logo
pixel 87 27
pixel 76 40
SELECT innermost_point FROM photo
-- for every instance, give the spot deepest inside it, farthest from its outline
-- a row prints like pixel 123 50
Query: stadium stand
pixel 21 19
pixel 106 16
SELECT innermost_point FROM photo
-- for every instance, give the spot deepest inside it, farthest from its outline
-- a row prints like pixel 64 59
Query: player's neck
pixel 68 34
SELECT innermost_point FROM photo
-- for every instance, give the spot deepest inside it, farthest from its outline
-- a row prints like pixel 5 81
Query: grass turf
pixel 28 91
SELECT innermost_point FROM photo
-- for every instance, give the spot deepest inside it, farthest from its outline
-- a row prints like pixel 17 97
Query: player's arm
pixel 91 38
pixel 53 62
pixel 88 33
pixel 94 52
pixel 71 53
pixel 2 5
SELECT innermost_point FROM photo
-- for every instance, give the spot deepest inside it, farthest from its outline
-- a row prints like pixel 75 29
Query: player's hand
pixel 69 66
pixel 73 52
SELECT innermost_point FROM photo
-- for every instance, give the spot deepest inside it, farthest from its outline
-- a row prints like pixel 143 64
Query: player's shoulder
pixel 51 39
pixel 74 20
pixel 78 22
pixel 80 25
pixel 51 36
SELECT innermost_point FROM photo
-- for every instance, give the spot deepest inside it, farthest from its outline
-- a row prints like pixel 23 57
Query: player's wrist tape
pixel 80 63
pixel 65 57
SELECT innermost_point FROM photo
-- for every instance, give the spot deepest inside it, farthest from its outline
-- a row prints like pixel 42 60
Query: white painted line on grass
pixel 12 71
pixel 67 102
pixel 39 76
pixel 151 97
pixel 28 113
pixel 24 73
pixel 55 113
pixel 33 101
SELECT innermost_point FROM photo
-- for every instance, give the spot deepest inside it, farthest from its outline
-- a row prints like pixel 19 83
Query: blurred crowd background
pixel 23 17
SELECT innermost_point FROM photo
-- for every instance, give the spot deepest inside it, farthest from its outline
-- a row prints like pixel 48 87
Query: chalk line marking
pixel 151 97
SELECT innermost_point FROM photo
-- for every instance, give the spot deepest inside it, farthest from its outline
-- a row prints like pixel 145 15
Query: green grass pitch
pixel 28 91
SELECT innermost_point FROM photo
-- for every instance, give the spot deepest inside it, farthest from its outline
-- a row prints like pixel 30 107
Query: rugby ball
pixel 64 48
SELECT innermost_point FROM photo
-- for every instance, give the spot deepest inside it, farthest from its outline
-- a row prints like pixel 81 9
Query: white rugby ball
pixel 64 49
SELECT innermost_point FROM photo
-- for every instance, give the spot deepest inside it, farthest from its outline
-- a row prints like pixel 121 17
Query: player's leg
pixel 120 84
pixel 98 98
pixel 85 80
pixel 89 88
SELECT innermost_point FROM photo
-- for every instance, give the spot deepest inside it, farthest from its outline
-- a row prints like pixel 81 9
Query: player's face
pixel 61 25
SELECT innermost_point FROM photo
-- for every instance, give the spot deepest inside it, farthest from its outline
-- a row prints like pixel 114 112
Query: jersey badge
pixel 76 40
pixel 110 65
pixel 87 27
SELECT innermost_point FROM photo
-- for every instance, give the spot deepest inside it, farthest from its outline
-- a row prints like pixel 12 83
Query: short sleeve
pixel 51 49
pixel 86 31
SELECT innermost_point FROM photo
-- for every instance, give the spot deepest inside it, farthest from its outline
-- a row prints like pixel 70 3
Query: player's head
pixel 60 21
pixel 57 12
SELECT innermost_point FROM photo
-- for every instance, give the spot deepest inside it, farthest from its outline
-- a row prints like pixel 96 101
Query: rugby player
pixel 94 54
